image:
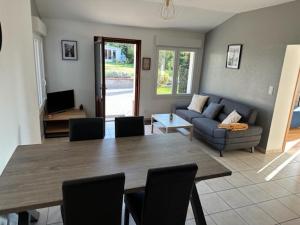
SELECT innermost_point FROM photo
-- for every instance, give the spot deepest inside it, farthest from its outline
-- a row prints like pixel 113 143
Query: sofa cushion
pixel 197 103
pixel 209 127
pixel 233 117
pixel 211 99
pixel 212 110
pixel 188 115
pixel 244 110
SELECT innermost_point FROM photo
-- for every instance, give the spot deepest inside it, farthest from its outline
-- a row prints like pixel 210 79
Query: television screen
pixel 60 101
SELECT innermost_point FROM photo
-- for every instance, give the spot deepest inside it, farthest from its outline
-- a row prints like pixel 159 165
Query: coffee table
pixel 164 121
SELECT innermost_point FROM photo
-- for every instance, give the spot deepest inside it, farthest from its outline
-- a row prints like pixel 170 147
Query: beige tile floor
pixel 263 189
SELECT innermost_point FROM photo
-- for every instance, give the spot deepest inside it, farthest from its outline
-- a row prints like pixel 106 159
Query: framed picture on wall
pixel 69 50
pixel 146 63
pixel 0 37
pixel 234 53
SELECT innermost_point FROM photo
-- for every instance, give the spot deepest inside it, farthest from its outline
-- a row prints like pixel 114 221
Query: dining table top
pixel 34 175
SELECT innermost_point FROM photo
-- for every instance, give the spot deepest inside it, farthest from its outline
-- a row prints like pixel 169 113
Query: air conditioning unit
pixel 38 26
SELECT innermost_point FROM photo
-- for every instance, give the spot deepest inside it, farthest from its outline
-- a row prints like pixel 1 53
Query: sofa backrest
pixel 248 113
pixel 211 99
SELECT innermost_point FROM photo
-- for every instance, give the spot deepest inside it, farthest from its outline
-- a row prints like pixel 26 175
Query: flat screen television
pixel 60 101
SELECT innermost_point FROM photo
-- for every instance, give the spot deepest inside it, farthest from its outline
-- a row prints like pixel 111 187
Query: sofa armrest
pixel 179 106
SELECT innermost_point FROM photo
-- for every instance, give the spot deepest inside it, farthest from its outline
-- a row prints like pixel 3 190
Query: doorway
pixel 285 100
pixel 292 134
pixel 117 70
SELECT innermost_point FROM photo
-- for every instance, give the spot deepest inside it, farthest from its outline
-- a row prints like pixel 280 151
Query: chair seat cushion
pixel 134 202
pixel 188 115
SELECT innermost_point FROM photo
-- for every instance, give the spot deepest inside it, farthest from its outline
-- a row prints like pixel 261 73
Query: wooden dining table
pixel 33 177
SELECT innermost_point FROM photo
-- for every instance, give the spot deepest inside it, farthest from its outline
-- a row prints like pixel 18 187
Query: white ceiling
pixel 198 15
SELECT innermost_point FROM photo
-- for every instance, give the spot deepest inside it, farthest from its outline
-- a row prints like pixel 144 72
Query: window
pixel 39 70
pixel 175 71
pixel 166 61
pixel 185 72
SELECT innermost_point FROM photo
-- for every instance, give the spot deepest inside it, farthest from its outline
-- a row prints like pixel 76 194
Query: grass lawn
pixel 119 68
pixel 164 90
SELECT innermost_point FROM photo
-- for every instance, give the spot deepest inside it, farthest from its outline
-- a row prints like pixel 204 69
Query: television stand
pixel 57 124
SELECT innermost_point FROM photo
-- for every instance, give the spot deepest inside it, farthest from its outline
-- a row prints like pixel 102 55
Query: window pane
pixel 165 72
pixel 185 72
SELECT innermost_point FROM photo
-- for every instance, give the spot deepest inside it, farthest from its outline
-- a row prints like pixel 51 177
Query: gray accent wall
pixel 264 33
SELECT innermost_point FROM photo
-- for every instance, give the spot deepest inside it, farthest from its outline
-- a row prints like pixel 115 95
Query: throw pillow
pixel 233 117
pixel 212 110
pixel 197 103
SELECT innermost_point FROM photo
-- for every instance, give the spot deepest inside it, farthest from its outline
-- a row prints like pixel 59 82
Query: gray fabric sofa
pixel 221 139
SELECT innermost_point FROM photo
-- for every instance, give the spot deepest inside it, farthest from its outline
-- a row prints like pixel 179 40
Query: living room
pixel 243 56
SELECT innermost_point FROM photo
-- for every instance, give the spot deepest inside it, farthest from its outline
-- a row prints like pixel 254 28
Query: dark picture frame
pixel 0 37
pixel 69 50
pixel 234 54
pixel 146 63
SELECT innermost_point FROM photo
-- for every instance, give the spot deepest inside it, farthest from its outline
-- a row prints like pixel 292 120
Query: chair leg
pixel 126 217
pixel 221 153
pixel 252 149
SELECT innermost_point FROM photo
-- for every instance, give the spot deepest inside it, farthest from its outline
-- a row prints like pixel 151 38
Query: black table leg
pixel 197 207
pixel 24 218
pixel 28 217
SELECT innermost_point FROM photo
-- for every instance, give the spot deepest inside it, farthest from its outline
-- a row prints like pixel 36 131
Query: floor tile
pixel 274 189
pixel 43 216
pixel 254 162
pixel 278 211
pixel 228 218
pixel 219 184
pixel 54 215
pixel 253 215
pixel 209 221
pixel 292 169
pixel 203 188
pixel 255 176
pixel 292 222
pixel 292 185
pixel 238 180
pixel 292 202
pixel 255 194
pixel 237 164
pixel 234 198
pixel 212 203
pixel 190 214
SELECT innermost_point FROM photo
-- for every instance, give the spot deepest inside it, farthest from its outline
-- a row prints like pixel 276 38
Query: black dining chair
pixel 129 126
pixel 93 201
pixel 165 199
pixel 86 129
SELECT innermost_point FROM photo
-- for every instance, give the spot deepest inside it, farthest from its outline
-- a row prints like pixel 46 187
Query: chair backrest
pixel 129 126
pixel 167 195
pixel 86 129
pixel 93 201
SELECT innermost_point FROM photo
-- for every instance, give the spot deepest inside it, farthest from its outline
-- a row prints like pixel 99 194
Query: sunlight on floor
pixel 292 150
pixel 282 166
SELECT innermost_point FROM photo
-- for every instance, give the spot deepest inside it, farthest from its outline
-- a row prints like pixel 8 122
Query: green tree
pixel 126 49
pixel 184 60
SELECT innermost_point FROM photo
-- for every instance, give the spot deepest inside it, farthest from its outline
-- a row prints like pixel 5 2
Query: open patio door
pixel 117 77
pixel 99 77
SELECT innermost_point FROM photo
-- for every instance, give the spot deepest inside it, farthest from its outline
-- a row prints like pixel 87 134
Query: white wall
pixel 19 114
pixel 284 100
pixel 79 75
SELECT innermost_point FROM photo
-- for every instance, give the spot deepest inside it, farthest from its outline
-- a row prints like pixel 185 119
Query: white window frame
pixel 176 61
pixel 39 70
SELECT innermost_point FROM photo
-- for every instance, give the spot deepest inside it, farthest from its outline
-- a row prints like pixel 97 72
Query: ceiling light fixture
pixel 167 10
